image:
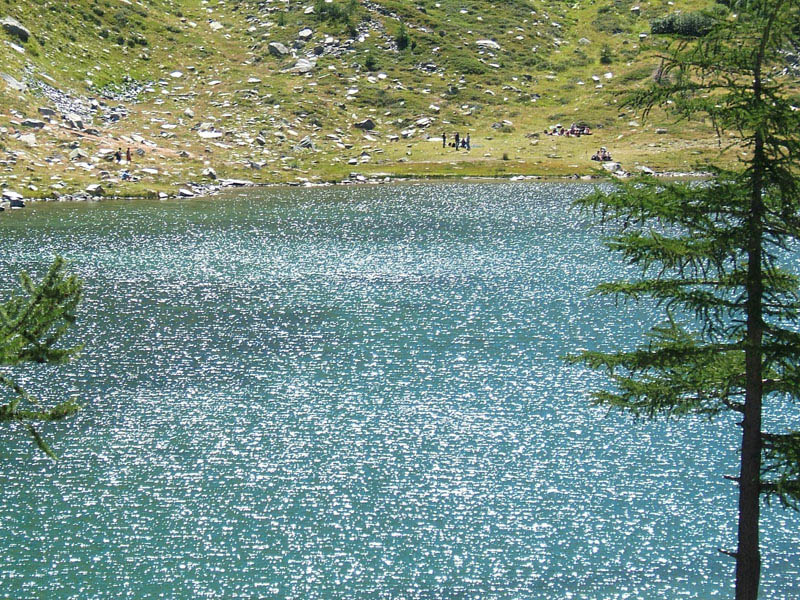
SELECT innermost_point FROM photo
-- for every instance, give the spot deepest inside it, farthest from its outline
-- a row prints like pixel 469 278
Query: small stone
pixel 185 193
pixel 366 124
pixel 95 189
pixel 277 49
pixel 33 123
pixel 29 139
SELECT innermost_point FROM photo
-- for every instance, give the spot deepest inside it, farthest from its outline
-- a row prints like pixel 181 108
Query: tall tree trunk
pixel 748 555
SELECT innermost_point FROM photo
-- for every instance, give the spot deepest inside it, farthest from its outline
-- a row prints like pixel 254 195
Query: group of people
pixel 573 131
pixel 458 141
pixel 602 155
pixel 118 155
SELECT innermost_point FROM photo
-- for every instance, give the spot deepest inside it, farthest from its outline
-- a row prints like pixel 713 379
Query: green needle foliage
pixel 31 325
pixel 714 256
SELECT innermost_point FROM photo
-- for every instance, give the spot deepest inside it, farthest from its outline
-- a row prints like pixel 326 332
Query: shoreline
pixel 196 190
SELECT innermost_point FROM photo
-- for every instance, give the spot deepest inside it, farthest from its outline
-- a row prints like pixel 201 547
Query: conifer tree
pixel 31 326
pixel 717 258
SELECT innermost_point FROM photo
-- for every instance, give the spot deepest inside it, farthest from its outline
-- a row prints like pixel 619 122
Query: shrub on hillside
pixel 606 57
pixel 467 65
pixel 693 24
pixel 402 38
pixel 335 11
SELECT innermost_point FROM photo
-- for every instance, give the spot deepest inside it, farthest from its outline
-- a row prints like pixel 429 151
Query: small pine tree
pixel 606 57
pixel 402 38
pixel 31 326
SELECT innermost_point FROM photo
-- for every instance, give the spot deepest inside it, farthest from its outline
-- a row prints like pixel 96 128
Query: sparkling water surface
pixel 356 393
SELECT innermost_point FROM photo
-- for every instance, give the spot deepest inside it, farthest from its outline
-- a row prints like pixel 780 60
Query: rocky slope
pixel 216 92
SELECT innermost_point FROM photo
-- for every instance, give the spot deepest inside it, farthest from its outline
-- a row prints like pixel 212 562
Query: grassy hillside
pixel 270 90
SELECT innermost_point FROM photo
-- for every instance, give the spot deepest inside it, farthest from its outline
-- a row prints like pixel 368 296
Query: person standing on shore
pixel 444 140
pixel 128 155
pixel 457 137
pixel 467 140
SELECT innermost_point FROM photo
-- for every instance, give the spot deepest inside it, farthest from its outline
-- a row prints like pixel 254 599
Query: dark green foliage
pixel 692 24
pixel 402 38
pixel 606 57
pixel 717 258
pixel 341 12
pixel 371 63
pixel 467 65
pixel 31 326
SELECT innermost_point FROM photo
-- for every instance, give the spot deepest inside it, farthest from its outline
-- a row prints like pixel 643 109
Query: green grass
pixel 534 81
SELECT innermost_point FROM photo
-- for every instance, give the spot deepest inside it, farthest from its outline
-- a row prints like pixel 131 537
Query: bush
pixel 335 11
pixel 606 57
pixel 467 65
pixel 370 63
pixel 693 24
pixel 402 38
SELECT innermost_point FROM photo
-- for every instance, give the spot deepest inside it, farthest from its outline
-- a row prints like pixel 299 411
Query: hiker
pixel 444 140
pixel 118 155
pixel 467 140
pixel 458 137
pixel 128 155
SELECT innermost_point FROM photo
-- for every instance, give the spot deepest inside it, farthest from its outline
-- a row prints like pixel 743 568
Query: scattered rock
pixel 366 124
pixel 47 112
pixel 661 131
pixel 305 34
pixel 277 49
pixel 185 193
pixel 95 190
pixel 29 139
pixel 15 85
pixel 210 173
pixel 33 123
pixel 303 65
pixel 491 44
pixel 15 28
pixel 78 153
pixel 306 142
pixel 74 121
pixel 10 195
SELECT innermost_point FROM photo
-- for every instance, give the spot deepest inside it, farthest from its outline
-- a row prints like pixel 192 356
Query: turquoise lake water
pixel 356 393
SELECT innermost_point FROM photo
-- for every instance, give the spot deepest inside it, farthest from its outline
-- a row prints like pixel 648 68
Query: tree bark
pixel 748 555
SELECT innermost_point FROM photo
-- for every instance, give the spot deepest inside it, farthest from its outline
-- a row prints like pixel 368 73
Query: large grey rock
pixel 33 123
pixel 210 173
pixel 305 34
pixel 78 153
pixel 15 85
pixel 306 142
pixel 15 28
pixel 47 112
pixel 366 124
pixel 491 44
pixel 185 193
pixel 9 195
pixel 303 65
pixel 277 49
pixel 28 139
pixel 74 121
pixel 95 189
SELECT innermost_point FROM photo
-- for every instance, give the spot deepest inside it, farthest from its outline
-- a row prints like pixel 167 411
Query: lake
pixel 356 393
